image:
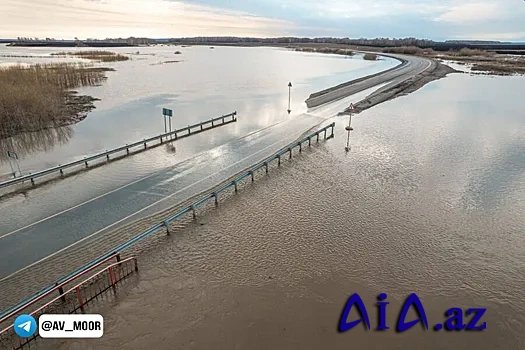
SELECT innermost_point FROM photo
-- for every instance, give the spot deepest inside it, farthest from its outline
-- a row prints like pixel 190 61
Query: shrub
pixel 34 97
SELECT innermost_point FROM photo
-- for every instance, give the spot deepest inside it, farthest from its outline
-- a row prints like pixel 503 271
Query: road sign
pixel 167 112
pixel 12 154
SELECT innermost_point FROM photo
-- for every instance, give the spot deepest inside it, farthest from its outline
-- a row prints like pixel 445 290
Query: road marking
pixel 78 205
pixel 131 183
pixel 141 210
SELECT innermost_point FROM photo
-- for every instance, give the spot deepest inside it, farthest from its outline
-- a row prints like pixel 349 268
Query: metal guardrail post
pixel 290 150
pixel 300 146
pixel 278 160
pixel 167 225
pixel 251 173
pixel 79 297
pixel 112 276
pixel 193 211
pixel 266 166
pixel 61 292
pixel 201 127
pixel 309 141
pixel 325 134
pixel 235 184
pixel 317 133
pixel 216 195
pixel 212 125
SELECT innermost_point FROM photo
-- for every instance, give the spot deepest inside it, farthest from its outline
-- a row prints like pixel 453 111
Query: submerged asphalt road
pixel 23 247
pixel 62 225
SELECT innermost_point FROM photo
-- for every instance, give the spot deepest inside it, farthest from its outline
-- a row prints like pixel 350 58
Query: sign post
pixel 12 154
pixel 167 113
pixel 289 96
pixel 349 128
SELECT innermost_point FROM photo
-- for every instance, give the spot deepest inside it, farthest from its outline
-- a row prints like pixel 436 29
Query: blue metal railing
pixel 187 130
pixel 165 223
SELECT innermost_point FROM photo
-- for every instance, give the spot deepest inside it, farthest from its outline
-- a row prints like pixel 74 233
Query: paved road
pixel 62 224
pixel 24 246
pixel 412 65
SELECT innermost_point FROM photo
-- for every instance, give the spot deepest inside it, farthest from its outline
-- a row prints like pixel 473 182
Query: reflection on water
pixel 39 141
pixel 207 83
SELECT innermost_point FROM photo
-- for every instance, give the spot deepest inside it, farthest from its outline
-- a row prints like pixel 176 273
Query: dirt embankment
pixel 437 71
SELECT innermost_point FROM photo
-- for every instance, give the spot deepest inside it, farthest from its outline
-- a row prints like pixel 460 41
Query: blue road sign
pixel 25 326
pixel 167 112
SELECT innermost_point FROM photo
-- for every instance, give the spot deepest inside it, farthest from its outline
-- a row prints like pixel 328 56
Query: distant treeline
pixel 377 42
pixel 109 42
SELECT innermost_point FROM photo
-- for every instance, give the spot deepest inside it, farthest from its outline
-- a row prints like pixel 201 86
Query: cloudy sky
pixel 433 19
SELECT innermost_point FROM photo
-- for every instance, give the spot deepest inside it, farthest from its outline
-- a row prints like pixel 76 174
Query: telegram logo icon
pixel 25 326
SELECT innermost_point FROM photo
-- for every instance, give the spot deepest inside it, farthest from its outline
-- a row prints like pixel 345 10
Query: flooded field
pixel 430 199
pixel 197 84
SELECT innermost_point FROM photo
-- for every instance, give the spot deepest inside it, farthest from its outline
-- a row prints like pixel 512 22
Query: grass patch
pixel 330 50
pixel 406 50
pixel 95 55
pixel 464 52
pixel 38 97
pixel 498 68
pixel 370 57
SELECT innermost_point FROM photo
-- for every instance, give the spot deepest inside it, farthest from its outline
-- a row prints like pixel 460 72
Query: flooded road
pixel 430 200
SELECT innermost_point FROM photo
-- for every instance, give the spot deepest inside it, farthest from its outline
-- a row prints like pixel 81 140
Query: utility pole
pixel 289 96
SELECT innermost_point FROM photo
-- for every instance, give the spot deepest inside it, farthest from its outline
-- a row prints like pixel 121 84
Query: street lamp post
pixel 289 96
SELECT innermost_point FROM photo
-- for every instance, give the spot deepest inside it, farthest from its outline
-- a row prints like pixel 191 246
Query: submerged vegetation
pixel 163 62
pixel 38 97
pixel 95 55
pixel 370 57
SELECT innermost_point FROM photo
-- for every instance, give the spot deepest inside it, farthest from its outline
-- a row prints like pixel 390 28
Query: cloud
pixel 153 18
pixel 474 12
pixel 432 19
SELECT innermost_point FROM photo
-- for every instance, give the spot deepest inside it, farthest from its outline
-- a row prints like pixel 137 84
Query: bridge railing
pixel 174 135
pixel 15 310
pixel 74 299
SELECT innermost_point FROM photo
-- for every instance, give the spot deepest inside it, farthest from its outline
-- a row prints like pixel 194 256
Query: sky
pixel 430 19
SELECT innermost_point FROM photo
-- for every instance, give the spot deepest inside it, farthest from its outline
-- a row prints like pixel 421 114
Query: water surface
pixel 430 199
pixel 204 84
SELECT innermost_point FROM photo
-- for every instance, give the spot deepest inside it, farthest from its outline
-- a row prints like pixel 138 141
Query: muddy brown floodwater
pixel 428 203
